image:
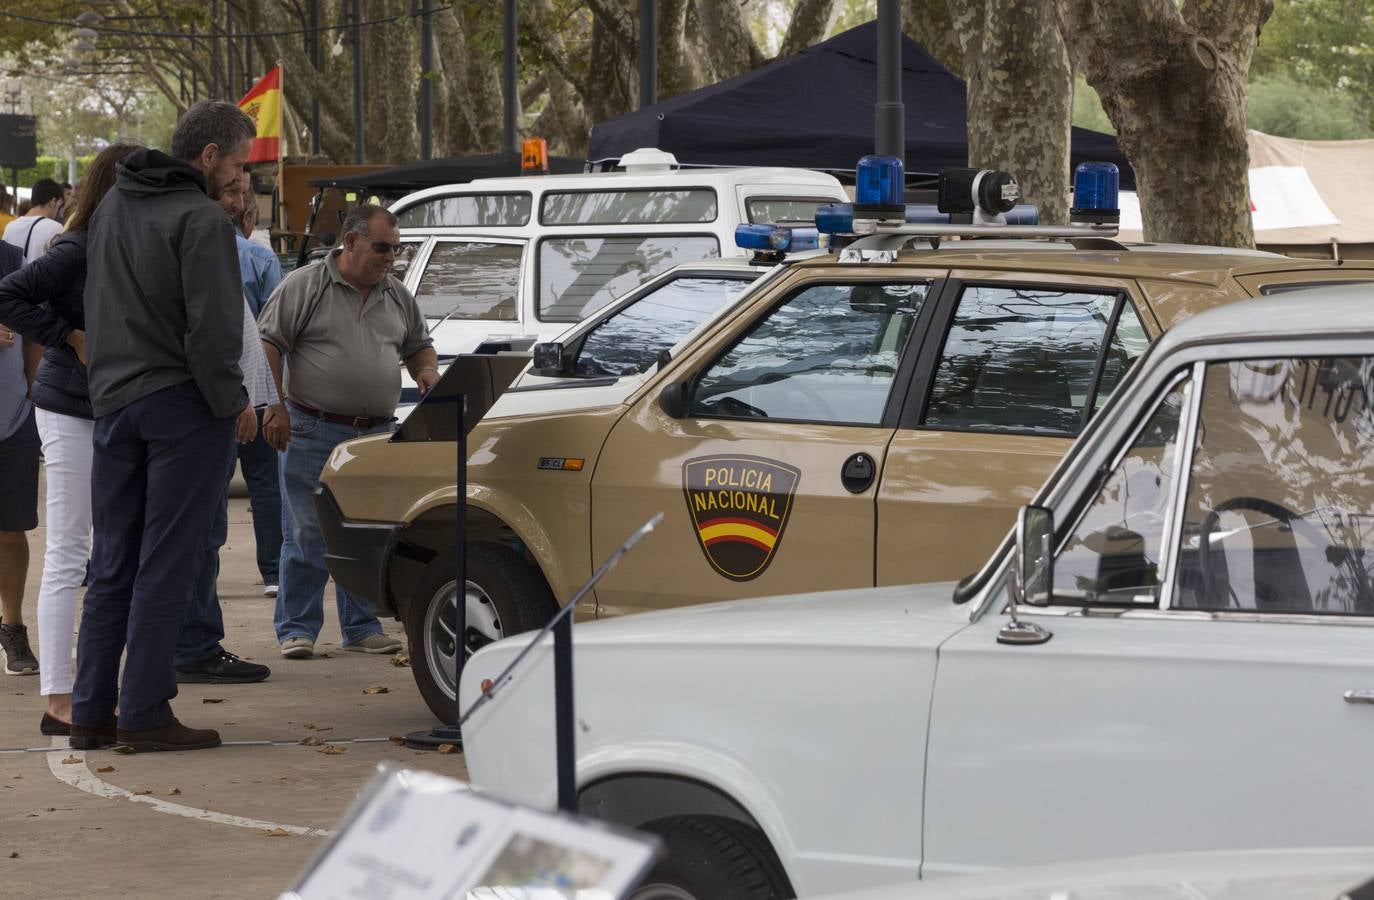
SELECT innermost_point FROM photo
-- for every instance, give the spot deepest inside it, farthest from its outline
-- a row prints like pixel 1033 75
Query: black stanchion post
pixel 565 737
pixel 441 735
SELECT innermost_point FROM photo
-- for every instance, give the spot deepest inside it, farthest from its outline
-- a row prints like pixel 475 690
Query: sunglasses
pixel 382 247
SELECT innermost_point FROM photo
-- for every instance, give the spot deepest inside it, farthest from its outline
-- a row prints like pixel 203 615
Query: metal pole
pixel 230 58
pixel 313 43
pixel 889 114
pixel 359 130
pixel 648 53
pixel 214 51
pixel 426 92
pixel 508 86
pixel 564 736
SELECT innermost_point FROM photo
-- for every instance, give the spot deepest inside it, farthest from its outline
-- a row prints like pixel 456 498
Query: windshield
pixel 630 341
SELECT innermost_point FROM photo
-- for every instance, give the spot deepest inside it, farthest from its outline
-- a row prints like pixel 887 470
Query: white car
pixel 1192 668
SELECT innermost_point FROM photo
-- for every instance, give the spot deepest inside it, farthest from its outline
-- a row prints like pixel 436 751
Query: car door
pixel 1208 679
pixel 767 473
pixel 1014 368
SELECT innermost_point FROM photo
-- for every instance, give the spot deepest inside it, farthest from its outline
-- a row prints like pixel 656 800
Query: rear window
pixel 471 280
pixel 646 207
pixel 1306 285
pixel 785 210
pixel 579 275
pixel 467 210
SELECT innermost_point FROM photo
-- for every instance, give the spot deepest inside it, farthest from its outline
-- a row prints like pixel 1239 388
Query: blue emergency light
pixel 1095 193
pixel 879 182
pixel 775 239
pixel 835 218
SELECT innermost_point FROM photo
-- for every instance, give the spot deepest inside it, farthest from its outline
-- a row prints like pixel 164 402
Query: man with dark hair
pixel 338 327
pixel 32 232
pixel 164 330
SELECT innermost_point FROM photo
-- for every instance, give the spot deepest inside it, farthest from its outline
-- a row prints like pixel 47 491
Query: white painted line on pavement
pixel 79 776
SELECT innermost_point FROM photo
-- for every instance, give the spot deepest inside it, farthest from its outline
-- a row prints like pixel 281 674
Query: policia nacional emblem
pixel 739 506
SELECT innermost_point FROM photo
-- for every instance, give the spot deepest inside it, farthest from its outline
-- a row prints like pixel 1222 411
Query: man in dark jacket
pixel 164 330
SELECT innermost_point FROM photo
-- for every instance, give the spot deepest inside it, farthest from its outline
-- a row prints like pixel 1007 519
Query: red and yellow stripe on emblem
pixel 743 530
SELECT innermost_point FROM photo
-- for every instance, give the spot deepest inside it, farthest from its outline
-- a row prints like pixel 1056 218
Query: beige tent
pixel 1309 198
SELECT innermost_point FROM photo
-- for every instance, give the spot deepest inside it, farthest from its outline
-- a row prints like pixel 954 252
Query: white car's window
pixel 630 341
pixel 828 354
pixel 1115 553
pixel 784 210
pixel 471 280
pixel 1279 516
pixel 1022 359
pixel 579 275
pixel 467 210
pixel 642 207
pixel 401 264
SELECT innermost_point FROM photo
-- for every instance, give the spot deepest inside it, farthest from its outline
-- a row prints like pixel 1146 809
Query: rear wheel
pixel 504 596
pixel 712 858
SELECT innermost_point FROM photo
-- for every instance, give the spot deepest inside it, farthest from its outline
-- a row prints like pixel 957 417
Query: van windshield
pixel 579 275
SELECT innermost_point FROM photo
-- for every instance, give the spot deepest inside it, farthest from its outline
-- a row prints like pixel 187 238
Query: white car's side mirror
pixel 1031 574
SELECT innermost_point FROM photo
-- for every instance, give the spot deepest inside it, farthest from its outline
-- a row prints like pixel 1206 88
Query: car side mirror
pixel 673 399
pixel 1031 574
pixel 550 359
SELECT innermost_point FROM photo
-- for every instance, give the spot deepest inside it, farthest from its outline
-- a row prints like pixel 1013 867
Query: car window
pixel 1020 359
pixel 1279 516
pixel 1115 553
pixel 784 210
pixel 401 264
pixel 579 275
pixel 1129 341
pixel 828 354
pixel 630 340
pixel 643 207
pixel 471 280
pixel 1289 286
pixel 467 210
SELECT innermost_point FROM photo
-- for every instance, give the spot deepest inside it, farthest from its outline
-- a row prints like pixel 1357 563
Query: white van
pixel 500 263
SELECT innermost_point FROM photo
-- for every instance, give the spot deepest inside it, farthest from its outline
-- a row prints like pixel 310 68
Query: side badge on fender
pixel 739 507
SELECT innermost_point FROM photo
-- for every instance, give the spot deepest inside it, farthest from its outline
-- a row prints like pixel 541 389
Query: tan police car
pixel 870 416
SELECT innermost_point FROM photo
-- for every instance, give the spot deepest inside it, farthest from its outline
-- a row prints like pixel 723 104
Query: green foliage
pixel 1327 44
pixel 1281 105
pixel 1087 108
pixel 53 167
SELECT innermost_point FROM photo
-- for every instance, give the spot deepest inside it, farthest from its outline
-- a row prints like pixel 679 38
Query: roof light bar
pixel 775 239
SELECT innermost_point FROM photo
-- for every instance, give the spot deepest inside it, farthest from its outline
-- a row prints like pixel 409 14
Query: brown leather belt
pixel 354 421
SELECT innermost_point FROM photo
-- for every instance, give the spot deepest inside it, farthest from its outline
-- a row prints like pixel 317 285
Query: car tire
pixel 712 858
pixel 506 596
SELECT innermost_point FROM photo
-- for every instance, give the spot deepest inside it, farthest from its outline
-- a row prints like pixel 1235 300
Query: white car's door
pixel 1189 698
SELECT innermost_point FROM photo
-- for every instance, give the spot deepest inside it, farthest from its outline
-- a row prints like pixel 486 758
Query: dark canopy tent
pixel 452 170
pixel 815 110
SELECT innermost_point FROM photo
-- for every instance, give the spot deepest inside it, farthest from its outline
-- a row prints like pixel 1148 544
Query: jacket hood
pixel 147 172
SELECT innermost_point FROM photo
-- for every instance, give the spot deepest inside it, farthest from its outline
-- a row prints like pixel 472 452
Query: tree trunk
pixel 391 61
pixel 1020 96
pixel 678 70
pixel 1173 83
pixel 929 23
pixel 811 21
pixel 730 45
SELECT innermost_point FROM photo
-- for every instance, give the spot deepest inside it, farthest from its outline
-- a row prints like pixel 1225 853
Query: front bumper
pixel 357 554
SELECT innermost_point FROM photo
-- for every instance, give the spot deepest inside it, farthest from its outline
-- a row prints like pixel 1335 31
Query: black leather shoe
pixel 221 668
pixel 53 726
pixel 83 738
pixel 172 736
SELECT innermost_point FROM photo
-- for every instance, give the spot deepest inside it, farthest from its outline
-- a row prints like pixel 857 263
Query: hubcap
pixel 483 626
pixel 661 891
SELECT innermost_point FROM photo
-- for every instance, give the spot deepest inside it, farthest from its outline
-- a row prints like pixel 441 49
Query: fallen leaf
pixel 72 760
pixel 174 792
pixel 277 832
pixel 324 655
pixel 377 689
pixel 105 769
pixel 332 749
pixel 311 741
pixel 397 739
pixel 446 748
pixel 122 748
pixel 308 726
pixel 211 699
pixel 51 809
pixel 17 777
pixel 231 723
pixel 401 661
pixel 14 855
pixel 143 793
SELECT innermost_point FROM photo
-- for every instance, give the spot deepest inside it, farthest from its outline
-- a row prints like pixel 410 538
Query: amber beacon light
pixel 534 156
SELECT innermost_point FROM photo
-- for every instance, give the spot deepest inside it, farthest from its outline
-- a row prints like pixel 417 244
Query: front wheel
pixel 712 858
pixel 504 596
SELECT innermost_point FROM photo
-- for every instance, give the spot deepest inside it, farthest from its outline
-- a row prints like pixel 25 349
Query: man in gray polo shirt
pixel 338 328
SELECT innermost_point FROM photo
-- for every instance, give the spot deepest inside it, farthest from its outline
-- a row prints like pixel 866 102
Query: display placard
pixel 420 836
pixel 18 141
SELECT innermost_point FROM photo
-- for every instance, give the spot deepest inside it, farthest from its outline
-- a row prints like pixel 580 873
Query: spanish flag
pixel 263 106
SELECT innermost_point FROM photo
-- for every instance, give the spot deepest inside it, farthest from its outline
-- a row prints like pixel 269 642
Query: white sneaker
pixel 375 643
pixel 298 648
pixel 269 590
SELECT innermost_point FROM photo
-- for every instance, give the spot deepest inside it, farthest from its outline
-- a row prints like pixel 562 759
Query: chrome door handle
pixel 1359 697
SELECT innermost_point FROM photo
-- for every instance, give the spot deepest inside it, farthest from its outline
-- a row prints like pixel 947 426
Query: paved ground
pixel 198 824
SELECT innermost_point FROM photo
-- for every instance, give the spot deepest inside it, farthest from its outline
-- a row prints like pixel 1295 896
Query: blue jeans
pixel 300 597
pixel 203 628
pixel 258 461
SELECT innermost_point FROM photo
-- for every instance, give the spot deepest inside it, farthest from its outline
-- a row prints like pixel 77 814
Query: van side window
pixel 471 280
pixel 467 210
pixel 1022 359
pixel 579 275
pixel 642 207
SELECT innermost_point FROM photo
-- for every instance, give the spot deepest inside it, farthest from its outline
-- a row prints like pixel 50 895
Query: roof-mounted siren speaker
pixel 646 160
pixel 879 182
pixel 1095 192
pixel 977 196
